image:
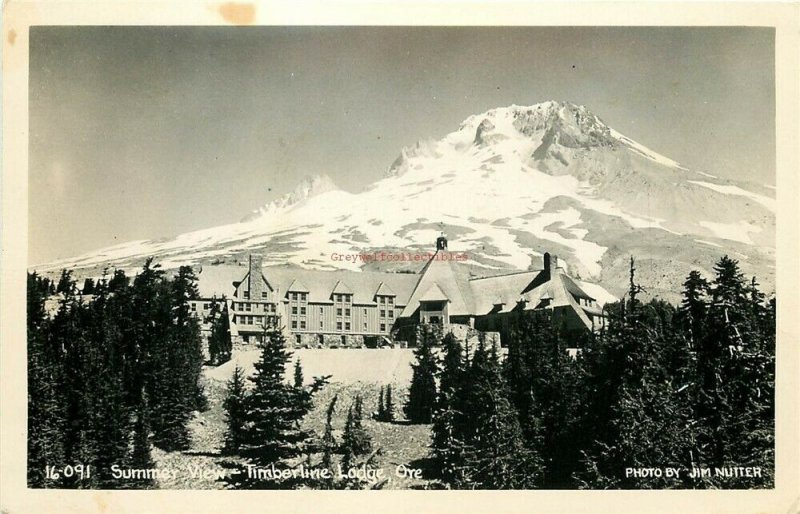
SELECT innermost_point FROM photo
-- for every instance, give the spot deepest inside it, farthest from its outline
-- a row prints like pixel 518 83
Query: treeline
pixel 111 375
pixel 687 387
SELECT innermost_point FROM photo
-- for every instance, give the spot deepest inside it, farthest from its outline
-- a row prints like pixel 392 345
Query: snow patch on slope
pixel 767 202
pixel 644 151
pixel 738 232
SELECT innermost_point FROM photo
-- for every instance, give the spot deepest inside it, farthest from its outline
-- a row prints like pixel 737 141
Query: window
pixel 383 313
pixel 194 307
pixel 298 339
pixel 391 314
pixel 248 307
pixel 247 295
pixel 263 294
pixel 294 296
pixel 339 311
pixel 321 311
pixel 303 296
pixel 347 312
pixel 365 325
pixel 365 312
pixel 303 324
pixel 320 324
pixel 347 325
pixel 383 327
pixel 294 323
pixel 338 325
pixel 294 310
pixel 207 305
pixel 391 300
pixel 302 310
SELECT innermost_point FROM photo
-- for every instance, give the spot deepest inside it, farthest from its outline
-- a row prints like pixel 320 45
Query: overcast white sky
pixel 140 133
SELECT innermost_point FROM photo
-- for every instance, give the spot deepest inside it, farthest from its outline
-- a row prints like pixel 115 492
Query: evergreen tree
pixel 355 440
pixel 235 413
pixel 422 391
pixel 544 386
pixel 274 409
pixel 631 382
pixel 141 457
pixel 80 357
pixel 103 371
pixel 88 286
pixel 66 284
pixel 693 305
pixel 186 338
pixel 381 412
pixel 448 419
pixel 119 281
pixel 46 409
pixel 493 454
pixel 735 363
pixel 298 374
pixel 219 340
pixel 388 405
pixel 329 443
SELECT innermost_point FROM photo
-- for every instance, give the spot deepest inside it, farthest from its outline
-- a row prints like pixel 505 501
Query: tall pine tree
pixel 422 391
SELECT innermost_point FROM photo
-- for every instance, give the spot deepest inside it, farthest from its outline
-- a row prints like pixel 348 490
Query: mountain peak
pixel 308 187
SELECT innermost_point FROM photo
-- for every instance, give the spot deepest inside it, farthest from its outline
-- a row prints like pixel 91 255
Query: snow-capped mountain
pixel 506 186
pixel 308 187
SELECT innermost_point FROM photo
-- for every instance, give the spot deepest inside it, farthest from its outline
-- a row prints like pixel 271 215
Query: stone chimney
pixel 550 264
pixel 255 284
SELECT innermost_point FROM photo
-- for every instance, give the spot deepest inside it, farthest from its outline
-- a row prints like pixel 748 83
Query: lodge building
pixel 343 308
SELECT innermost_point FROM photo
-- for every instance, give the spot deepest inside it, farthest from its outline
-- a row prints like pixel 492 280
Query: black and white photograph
pixel 392 257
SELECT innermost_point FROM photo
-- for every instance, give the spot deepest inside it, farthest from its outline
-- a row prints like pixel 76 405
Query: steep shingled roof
pixel 219 280
pixel 489 292
pixel 433 294
pixel 384 290
pixel 451 278
pixel 341 288
pixel 298 287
